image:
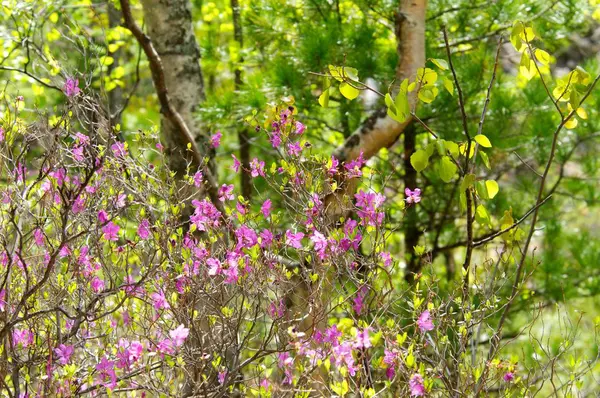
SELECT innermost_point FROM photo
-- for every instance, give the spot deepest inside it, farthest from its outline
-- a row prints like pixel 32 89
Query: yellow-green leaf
pixel 419 160
pixel 492 188
pixel 440 63
pixel 542 56
pixel 483 141
pixel 348 91
pixel 447 169
pixel 449 86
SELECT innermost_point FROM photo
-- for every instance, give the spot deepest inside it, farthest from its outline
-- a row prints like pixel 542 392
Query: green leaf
pixel 452 147
pixel 428 93
pixel 348 91
pixel 324 99
pixel 482 190
pixel 486 160
pixel 467 181
pixel 449 86
pixel 440 63
pixel 419 160
pixel 542 56
pixel 515 36
pixel 447 169
pixel 483 141
pixel 482 216
pixel 492 188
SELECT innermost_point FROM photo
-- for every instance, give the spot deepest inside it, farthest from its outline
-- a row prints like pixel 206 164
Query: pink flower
pixel 299 128
pixel 354 167
pixel 236 164
pixel 257 168
pixel 102 217
pixel 362 339
pixel 179 335
pixel 111 231
pixel 215 139
pixel 246 237
pixel 424 322
pixel 63 353
pixel 321 243
pixel 412 196
pixel 97 284
pixel 38 236
pixel 294 149
pixel 159 300
pixel 417 389
pixel 119 150
pixel 332 170
pixel 266 208
pixel 205 215
pixel 275 139
pixel 294 239
pixel 198 178
pixel 368 203
pixel 266 238
pixel 1 135
pixel 143 230
pixel 221 377
pixel 386 258
pixel 509 377
pixel 214 266
pixel 71 87
pixel 226 192
pixel 23 337
pixel 2 301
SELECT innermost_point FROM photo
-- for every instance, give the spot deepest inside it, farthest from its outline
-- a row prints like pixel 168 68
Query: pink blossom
pixel 294 239
pixel 159 300
pixel 64 251
pixel 111 231
pixel 143 230
pixel 214 266
pixel 332 335
pixel 321 243
pixel 198 178
pixel 362 339
pixel 79 204
pixel 215 139
pixel 368 203
pixel 102 217
pixel 509 377
pixel 332 170
pixel 118 149
pixel 221 377
pixel 97 284
pixel 294 149
pixel 354 167
pixel 38 236
pixel 226 192
pixel 266 208
pixel 232 273
pixel 276 310
pixel 63 353
pixel 257 168
pixel 275 139
pixel 1 135
pixel 417 389
pixel 2 301
pixel 179 335
pixel 23 337
pixel 205 215
pixel 236 164
pixel 412 196
pixel 106 369
pixel 386 258
pixel 71 87
pixel 299 128
pixel 246 237
pixel 424 322
pixel 266 238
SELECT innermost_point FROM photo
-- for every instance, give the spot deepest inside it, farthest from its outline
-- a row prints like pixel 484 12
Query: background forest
pixel 299 198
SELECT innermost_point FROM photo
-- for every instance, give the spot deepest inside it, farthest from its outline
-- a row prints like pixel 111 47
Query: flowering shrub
pixel 110 283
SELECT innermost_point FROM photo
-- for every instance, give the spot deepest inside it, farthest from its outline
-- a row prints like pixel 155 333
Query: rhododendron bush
pixel 133 262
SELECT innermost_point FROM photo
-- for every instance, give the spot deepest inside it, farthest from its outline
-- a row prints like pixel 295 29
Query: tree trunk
pixel 169 25
pixel 243 138
pixel 379 130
